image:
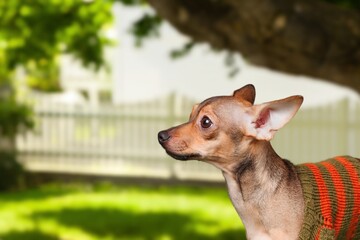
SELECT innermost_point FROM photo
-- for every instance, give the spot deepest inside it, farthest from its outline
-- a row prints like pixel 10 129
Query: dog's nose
pixel 163 136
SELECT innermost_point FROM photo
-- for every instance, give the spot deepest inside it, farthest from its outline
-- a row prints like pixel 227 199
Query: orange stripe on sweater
pixel 340 195
pixel 317 237
pixel 356 190
pixel 325 203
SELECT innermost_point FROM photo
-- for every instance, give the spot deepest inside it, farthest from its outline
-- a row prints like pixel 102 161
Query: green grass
pixel 106 212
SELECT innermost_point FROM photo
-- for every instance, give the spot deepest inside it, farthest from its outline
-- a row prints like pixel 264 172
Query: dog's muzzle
pixel 163 138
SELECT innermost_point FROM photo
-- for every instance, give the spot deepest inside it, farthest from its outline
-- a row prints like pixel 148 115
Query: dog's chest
pixel 249 215
pixel 235 194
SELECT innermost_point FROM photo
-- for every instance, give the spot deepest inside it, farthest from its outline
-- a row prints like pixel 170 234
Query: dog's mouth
pixel 183 157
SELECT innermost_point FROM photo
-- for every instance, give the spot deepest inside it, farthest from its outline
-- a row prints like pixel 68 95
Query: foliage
pixel 44 76
pixel 108 212
pixel 131 2
pixel 11 172
pixel 355 4
pixel 147 26
pixel 181 52
pixel 14 117
pixel 40 30
pixel 32 34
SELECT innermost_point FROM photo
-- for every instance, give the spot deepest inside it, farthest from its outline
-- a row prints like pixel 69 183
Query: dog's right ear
pixel 246 93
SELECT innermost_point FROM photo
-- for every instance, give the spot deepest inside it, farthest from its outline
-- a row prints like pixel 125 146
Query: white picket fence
pixel 121 140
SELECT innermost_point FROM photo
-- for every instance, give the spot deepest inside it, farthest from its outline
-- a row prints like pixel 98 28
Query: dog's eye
pixel 206 122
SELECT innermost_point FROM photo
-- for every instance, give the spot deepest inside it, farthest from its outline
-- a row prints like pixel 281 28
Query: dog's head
pixel 220 129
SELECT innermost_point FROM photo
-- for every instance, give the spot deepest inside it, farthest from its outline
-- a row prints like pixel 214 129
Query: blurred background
pixel 85 86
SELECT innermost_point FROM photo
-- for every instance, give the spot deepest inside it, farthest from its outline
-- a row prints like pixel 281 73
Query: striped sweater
pixel 332 199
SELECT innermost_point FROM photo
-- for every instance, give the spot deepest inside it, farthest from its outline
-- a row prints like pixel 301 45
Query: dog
pixel 274 198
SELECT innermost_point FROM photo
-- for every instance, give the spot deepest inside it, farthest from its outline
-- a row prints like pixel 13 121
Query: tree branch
pixel 304 37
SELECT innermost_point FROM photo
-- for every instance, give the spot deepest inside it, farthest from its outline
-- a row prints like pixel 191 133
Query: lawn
pixel 107 212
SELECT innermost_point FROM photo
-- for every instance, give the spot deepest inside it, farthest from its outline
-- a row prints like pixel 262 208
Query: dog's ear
pixel 192 114
pixel 269 117
pixel 246 93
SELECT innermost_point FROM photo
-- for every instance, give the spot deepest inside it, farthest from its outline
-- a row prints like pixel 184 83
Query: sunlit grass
pixel 106 212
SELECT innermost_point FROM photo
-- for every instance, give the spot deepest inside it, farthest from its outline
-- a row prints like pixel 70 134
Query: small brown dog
pixel 274 198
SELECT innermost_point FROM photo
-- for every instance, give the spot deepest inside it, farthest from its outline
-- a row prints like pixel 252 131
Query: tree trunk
pixel 306 37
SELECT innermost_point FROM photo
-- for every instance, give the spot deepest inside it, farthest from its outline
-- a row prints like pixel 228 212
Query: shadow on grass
pixel 27 235
pixel 34 194
pixel 121 224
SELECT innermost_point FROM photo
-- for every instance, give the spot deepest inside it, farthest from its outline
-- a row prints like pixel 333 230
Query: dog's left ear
pixel 246 93
pixel 269 117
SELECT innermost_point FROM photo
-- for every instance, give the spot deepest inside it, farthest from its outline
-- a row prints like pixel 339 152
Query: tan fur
pixel 263 188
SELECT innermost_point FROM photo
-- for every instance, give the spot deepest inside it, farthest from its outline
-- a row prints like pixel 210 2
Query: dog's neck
pixel 255 182
pixel 259 174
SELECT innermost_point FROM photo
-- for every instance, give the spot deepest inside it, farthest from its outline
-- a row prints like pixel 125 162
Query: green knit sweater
pixel 332 199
